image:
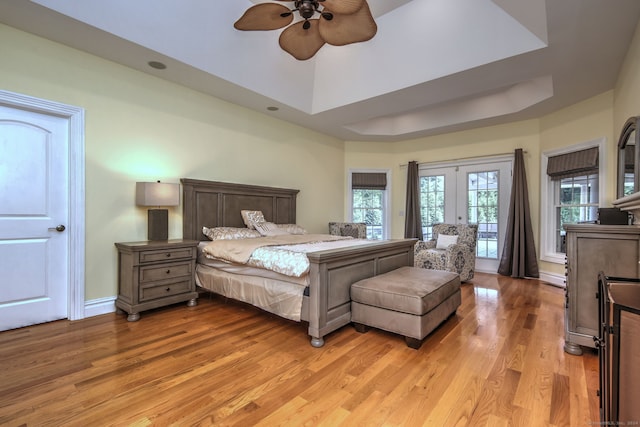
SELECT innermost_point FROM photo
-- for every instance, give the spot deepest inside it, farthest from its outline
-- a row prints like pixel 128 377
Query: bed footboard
pixel 333 272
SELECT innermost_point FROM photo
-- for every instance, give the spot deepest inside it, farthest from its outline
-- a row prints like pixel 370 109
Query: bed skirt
pixel 284 299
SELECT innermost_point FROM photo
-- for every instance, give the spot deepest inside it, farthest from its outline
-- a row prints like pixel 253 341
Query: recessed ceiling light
pixel 272 108
pixel 157 65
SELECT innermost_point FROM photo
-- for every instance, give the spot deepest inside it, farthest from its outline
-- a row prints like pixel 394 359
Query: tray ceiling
pixel 434 66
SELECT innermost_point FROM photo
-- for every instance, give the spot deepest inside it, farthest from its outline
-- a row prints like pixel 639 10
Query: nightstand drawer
pixel 154 274
pixel 167 255
pixel 165 290
pixel 165 271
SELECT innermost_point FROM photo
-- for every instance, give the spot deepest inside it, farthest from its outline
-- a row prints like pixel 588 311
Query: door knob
pixel 60 228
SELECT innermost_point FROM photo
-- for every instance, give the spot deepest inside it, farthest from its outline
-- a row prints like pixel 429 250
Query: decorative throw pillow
pixel 292 228
pixel 444 241
pixel 251 217
pixel 269 229
pixel 349 230
pixel 229 233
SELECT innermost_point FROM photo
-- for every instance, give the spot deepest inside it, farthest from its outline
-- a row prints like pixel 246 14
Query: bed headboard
pixel 218 204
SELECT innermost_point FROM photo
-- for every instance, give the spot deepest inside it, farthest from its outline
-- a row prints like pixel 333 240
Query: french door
pixel 473 192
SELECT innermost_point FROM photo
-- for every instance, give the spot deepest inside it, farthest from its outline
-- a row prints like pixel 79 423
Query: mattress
pixel 282 298
pixel 277 293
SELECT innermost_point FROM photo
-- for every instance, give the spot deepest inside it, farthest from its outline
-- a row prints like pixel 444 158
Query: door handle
pixel 60 228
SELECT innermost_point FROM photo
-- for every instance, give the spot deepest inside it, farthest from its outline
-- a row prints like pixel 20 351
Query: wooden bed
pixel 328 305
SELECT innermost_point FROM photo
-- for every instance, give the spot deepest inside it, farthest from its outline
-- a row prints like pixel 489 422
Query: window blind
pixel 369 181
pixel 576 163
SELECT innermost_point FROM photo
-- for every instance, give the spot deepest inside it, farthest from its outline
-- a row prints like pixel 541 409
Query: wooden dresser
pixel 619 350
pixel 591 248
pixel 153 274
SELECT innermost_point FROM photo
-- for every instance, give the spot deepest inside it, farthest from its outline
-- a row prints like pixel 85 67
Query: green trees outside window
pixel 368 207
pixel 576 202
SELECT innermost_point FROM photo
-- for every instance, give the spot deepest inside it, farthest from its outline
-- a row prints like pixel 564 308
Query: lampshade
pixel 157 194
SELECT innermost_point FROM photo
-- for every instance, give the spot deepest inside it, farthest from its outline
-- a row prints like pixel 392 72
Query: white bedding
pixel 282 254
pixel 247 269
pixel 263 280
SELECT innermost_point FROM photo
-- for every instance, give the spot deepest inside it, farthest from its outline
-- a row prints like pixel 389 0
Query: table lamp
pixel 157 194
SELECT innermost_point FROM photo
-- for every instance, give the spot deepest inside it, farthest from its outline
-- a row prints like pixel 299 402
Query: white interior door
pixel 34 200
pixel 476 192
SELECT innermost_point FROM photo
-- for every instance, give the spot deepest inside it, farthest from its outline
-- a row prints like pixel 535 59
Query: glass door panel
pixel 484 195
pixel 437 186
pixel 482 205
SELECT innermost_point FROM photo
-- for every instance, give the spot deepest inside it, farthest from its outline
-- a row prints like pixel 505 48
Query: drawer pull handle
pixel 168 289
pixel 168 271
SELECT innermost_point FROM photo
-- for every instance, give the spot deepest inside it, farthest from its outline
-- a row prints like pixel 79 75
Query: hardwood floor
pixel 497 362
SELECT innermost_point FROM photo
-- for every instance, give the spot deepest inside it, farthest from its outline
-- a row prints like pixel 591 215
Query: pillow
pixel 350 230
pixel 292 228
pixel 444 241
pixel 251 217
pixel 229 233
pixel 269 229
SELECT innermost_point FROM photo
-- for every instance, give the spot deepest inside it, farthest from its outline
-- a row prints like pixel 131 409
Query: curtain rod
pixel 404 165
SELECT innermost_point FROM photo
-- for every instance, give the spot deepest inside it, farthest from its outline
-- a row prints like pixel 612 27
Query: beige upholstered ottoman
pixel 409 301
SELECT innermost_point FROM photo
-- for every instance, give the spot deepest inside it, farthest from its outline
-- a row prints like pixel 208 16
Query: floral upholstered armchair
pixel 453 248
pixel 357 230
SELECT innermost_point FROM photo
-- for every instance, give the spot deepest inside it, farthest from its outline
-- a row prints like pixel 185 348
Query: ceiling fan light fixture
pixel 343 22
pixel 307 8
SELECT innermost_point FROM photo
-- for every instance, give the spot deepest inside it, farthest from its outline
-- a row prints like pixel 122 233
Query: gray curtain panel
pixel 412 222
pixel 519 252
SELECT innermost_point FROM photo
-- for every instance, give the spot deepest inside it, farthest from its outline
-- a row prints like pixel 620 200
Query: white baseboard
pixel 99 306
pixel 554 279
pixel 551 278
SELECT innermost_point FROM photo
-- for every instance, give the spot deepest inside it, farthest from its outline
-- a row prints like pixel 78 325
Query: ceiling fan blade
pixel 264 16
pixel 345 29
pixel 300 43
pixel 344 7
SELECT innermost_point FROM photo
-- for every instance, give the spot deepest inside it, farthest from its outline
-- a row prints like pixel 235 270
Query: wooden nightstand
pixel 155 274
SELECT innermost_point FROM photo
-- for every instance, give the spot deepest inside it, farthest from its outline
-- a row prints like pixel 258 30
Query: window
pixel 369 202
pixel 431 203
pixel 576 201
pixel 570 194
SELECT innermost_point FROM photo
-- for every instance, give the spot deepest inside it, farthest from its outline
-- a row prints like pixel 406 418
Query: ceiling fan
pixel 339 22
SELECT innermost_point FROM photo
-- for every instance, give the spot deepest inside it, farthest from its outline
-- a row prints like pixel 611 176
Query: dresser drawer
pixel 167 255
pixel 164 290
pixel 165 271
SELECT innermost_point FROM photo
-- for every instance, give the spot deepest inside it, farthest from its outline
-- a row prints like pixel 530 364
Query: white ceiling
pixel 434 66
